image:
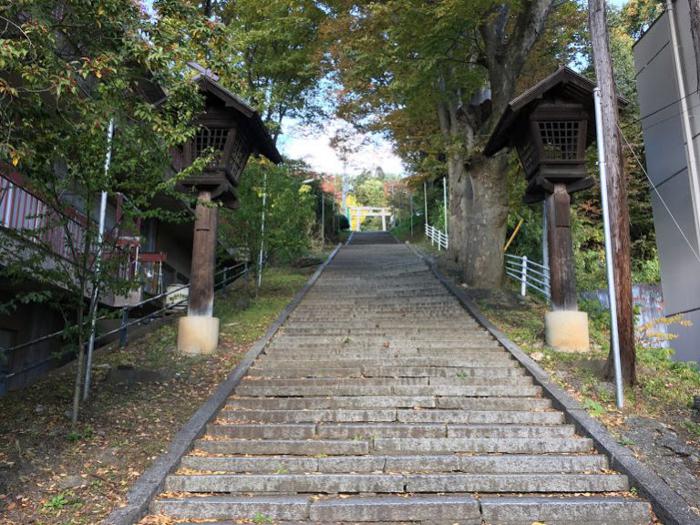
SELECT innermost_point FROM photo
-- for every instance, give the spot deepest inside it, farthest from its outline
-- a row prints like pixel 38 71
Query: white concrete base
pixel 567 330
pixel 197 335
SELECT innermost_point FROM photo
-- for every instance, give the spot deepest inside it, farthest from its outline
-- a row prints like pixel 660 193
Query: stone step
pixel 442 362
pixel 380 402
pixel 498 464
pixel 374 510
pixel 379 351
pixel 394 446
pixel 399 390
pixel 308 415
pixel 321 381
pixel 242 507
pixel 393 339
pixel 504 417
pixel 292 447
pixel 250 389
pixel 431 509
pixel 387 371
pixel 481 445
pixel 403 356
pixel 417 371
pixel 385 381
pixel 377 430
pixel 387 483
pixel 566 511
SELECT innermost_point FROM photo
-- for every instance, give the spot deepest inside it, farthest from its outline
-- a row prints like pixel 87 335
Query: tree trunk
pixel 486 220
pixel 617 192
pixel 459 191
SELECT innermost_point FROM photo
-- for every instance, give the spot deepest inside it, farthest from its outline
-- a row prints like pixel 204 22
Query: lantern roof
pixel 261 140
pixel 563 86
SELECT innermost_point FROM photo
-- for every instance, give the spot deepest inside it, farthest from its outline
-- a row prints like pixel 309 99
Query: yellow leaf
pixel 15 161
pixel 98 74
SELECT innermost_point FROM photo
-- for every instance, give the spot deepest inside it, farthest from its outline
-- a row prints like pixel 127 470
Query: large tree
pixel 458 61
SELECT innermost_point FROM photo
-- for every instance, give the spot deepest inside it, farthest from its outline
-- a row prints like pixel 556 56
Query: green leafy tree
pixel 66 71
pixel 289 212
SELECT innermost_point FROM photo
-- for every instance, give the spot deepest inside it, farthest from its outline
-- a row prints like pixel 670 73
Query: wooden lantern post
pixel 551 125
pixel 201 294
pixel 562 274
pixel 230 130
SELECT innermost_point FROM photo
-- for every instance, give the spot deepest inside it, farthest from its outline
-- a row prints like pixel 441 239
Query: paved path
pixel 381 400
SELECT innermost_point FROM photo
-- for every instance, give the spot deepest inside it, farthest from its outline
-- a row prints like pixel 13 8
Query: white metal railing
pixel 437 237
pixel 529 273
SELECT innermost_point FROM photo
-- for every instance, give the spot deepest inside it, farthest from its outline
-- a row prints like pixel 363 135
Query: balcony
pixel 28 217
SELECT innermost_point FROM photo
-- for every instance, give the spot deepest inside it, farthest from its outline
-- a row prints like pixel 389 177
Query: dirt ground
pixel 51 474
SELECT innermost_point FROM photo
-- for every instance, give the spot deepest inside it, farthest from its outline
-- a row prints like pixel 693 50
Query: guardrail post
pixel 523 276
pixel 124 328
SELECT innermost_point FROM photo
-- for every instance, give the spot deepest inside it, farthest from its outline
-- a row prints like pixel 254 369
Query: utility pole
pixel 616 192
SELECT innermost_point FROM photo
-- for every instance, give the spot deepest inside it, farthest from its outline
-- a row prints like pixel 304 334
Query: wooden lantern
pixel 551 125
pixel 232 131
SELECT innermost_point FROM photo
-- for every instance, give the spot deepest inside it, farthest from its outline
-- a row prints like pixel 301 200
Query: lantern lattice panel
pixel 559 139
pixel 214 138
pixel 239 155
pixel 527 156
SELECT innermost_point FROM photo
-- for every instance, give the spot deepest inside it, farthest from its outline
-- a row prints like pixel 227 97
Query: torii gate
pixel 359 213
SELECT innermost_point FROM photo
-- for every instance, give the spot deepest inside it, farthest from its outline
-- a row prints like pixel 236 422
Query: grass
pixel 123 427
pixel 665 387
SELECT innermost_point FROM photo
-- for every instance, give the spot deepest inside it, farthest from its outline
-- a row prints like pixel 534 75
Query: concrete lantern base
pixel 567 330
pixel 197 335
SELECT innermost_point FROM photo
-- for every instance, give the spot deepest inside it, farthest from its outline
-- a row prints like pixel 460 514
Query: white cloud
pixel 313 147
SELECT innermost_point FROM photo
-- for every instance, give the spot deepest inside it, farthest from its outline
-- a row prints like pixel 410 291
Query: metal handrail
pixel 437 236
pixel 530 274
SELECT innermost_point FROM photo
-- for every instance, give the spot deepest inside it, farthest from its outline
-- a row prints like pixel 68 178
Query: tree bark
pixel 486 219
pixel 617 192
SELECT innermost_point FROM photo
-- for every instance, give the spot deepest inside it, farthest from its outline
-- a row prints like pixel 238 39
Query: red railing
pixel 25 213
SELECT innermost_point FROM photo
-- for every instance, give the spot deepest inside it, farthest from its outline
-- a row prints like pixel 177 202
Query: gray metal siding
pixel 667 166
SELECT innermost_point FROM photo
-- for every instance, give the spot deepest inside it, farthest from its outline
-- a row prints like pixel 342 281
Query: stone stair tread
pixel 333 483
pixel 558 463
pixel 472 417
pixel 424 402
pixel 566 511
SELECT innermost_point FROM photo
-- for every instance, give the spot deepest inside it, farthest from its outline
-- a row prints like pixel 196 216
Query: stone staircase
pixel 382 401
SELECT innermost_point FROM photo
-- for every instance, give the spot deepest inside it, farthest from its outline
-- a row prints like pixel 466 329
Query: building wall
pixel 26 323
pixel 667 165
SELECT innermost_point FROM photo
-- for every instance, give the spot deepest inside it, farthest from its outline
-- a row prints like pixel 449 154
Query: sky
pixel 312 145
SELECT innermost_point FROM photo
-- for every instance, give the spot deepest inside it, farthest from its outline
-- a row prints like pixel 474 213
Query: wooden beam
pixel 562 272
pixel 201 296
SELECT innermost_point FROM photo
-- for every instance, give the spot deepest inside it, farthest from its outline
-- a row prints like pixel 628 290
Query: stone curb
pixel 152 481
pixel 668 506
